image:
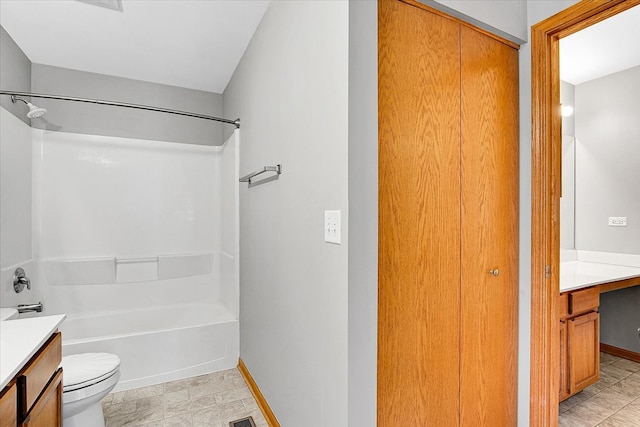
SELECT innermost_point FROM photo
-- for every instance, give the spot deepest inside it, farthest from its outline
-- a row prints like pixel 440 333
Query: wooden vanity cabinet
pixel 565 389
pixel 9 406
pixel 40 387
pixel 579 340
pixel 33 398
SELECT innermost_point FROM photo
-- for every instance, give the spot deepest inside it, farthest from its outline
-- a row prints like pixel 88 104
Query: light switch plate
pixel 332 228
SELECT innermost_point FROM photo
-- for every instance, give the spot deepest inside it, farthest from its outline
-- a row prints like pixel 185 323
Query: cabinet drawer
pixel 584 300
pixel 38 372
pixel 563 306
pixel 9 406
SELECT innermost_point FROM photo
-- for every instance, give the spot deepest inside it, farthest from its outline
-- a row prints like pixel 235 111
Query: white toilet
pixel 86 379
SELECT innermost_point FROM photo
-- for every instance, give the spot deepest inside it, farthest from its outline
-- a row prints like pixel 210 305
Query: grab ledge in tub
pixel 110 270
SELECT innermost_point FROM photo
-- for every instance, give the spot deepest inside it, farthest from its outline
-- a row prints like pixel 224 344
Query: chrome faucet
pixel 20 280
pixel 23 308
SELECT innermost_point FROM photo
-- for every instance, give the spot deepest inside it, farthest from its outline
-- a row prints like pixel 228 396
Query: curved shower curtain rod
pixel 236 122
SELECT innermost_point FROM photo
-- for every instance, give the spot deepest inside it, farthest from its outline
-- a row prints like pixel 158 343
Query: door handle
pixel 494 272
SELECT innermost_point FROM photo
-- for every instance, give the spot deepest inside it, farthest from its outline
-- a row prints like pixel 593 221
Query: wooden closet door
pixel 419 217
pixel 489 231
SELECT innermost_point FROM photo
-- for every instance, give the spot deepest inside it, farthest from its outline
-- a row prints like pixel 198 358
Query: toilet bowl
pixel 87 378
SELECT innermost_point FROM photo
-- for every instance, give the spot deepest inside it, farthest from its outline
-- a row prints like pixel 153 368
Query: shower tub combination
pixel 141 239
pixel 158 344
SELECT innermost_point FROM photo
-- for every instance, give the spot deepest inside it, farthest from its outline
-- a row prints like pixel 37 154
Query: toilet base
pixel 83 407
pixel 90 417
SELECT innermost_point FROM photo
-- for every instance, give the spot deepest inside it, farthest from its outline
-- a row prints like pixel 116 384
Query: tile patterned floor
pixel 211 400
pixel 614 401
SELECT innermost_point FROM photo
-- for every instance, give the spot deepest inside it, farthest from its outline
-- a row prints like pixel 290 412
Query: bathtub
pixel 158 344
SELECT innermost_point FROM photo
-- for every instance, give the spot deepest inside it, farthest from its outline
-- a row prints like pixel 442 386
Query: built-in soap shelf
pixel 107 270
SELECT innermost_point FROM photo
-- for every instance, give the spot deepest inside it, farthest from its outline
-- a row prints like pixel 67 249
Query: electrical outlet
pixel 332 229
pixel 617 221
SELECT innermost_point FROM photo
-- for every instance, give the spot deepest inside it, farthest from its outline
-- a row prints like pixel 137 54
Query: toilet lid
pixel 82 370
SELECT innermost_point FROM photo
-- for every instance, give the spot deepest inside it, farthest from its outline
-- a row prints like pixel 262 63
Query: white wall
pixel 290 90
pixel 607 162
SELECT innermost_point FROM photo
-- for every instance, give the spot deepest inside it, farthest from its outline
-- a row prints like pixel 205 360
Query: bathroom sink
pixel 8 314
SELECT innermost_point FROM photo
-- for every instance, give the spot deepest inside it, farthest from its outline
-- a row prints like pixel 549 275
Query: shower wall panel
pixel 15 206
pixel 129 201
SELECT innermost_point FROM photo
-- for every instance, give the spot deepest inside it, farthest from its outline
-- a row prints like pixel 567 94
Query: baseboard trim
pixel 257 394
pixel 620 352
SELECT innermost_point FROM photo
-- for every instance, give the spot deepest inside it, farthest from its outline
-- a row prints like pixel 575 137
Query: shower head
pixel 34 112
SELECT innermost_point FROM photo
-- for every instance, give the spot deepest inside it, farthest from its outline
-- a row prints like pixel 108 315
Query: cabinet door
pixel 584 351
pixel 419 217
pixel 489 227
pixel 565 388
pixel 9 407
pixel 47 411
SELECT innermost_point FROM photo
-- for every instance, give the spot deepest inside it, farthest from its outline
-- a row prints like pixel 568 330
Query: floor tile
pixel 211 400
pixel 607 359
pixel 614 401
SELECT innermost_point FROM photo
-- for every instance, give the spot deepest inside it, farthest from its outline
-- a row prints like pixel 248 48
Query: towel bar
pixel 247 178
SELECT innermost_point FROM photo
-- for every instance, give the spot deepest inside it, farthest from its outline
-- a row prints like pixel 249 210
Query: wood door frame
pixel 545 197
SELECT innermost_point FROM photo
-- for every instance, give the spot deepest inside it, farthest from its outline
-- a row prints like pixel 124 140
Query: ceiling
pixel 605 48
pixel 195 44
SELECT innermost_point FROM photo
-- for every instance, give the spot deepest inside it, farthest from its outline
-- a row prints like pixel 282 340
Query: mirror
pixel 600 203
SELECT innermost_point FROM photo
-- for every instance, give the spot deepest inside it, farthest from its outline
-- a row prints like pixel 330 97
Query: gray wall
pixel 607 162
pixel 362 312
pixel 507 18
pixel 291 91
pixel 15 74
pixel 65 116
pixel 19 74
pixel 363 212
pixel 620 318
pixel 15 173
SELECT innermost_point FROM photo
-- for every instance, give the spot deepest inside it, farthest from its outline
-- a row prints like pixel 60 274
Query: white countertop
pixel 20 339
pixel 582 274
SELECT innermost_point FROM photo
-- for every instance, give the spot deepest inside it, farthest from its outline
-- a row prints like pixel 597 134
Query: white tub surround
pixel 145 223
pixel 20 339
pixel 581 269
pixel 106 270
pixel 137 242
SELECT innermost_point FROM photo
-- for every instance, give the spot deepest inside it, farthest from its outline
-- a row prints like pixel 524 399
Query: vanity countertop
pixel 582 274
pixel 20 339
